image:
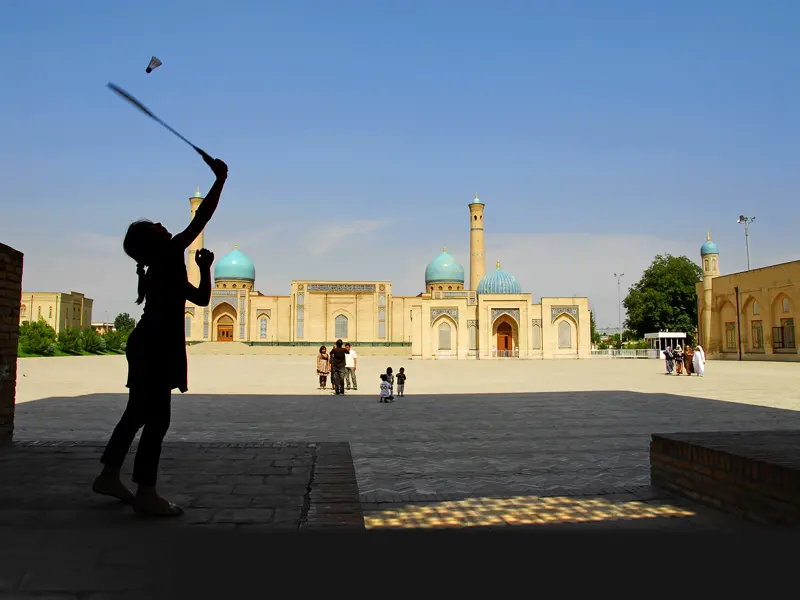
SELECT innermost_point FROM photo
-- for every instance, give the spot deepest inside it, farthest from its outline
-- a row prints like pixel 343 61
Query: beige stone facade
pixel 494 319
pixel 58 310
pixel 748 315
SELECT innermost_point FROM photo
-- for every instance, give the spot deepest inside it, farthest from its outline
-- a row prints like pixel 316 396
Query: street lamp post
pixel 746 222
pixel 619 306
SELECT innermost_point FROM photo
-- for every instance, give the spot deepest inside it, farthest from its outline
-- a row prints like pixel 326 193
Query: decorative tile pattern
pixel 382 288
pixel 438 312
pixel 216 301
pixel 300 286
pixel 205 322
pixel 536 322
pixel 224 293
pixel 242 312
pixel 457 294
pixel 190 310
pixel 472 323
pixel 241 332
pixel 473 300
pixel 264 311
pixel 511 312
pixel 341 287
pixel 557 311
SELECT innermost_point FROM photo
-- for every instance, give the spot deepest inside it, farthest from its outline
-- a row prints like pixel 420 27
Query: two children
pixel 387 384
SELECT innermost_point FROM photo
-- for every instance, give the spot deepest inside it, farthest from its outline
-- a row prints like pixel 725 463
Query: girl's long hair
pixel 137 245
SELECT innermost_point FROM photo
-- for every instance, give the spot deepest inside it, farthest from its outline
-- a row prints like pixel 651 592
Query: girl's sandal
pixel 124 498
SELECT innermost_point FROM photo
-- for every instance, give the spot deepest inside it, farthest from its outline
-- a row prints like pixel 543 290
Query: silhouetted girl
pixel 156 349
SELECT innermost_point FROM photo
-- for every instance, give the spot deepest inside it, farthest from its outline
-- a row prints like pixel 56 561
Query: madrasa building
pixel 489 318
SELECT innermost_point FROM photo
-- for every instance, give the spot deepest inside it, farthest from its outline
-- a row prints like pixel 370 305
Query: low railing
pixel 506 353
pixel 625 353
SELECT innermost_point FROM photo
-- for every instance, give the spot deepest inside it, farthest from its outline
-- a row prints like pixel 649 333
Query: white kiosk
pixel 662 339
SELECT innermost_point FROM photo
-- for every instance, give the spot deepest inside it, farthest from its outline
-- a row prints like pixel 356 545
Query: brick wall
pixel 10 294
pixel 755 475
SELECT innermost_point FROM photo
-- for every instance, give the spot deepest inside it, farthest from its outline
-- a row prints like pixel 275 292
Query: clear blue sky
pixel 598 133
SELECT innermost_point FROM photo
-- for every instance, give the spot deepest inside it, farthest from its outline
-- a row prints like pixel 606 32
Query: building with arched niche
pixel 489 318
pixel 747 315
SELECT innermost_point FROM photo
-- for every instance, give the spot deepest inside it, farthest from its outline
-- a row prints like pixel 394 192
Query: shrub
pixel 92 342
pixel 37 337
pixel 70 341
pixel 113 340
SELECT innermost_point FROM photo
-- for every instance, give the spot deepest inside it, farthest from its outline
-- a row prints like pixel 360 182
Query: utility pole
pixel 619 305
pixel 746 221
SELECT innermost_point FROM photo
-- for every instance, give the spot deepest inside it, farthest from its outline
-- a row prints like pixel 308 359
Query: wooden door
pixel 225 329
pixel 504 340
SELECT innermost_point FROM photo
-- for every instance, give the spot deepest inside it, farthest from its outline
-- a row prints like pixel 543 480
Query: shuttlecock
pixel 154 64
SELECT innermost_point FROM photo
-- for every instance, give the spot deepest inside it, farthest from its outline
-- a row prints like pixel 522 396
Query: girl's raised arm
pixel 207 207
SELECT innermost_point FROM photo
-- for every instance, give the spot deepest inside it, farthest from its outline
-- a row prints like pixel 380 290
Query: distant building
pixel 747 315
pixel 485 316
pixel 102 328
pixel 58 310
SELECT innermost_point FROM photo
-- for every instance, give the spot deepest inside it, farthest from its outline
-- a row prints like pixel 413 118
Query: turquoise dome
pixel 444 269
pixel 235 266
pixel 499 282
pixel 709 247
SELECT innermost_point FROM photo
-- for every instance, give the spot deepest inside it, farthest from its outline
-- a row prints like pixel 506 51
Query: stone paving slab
pixel 479 444
pixel 270 484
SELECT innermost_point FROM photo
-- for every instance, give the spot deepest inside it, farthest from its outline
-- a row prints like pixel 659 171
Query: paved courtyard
pixel 467 428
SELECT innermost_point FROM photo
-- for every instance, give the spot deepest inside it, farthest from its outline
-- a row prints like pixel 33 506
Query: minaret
pixel 477 256
pixel 709 253
pixel 192 270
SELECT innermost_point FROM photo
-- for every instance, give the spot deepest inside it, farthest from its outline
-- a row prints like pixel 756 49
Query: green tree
pixel 70 340
pixel 92 342
pixel 664 299
pixel 114 340
pixel 37 337
pixel 593 325
pixel 124 323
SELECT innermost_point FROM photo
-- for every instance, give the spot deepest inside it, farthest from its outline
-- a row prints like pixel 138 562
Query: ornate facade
pixel 491 319
pixel 748 315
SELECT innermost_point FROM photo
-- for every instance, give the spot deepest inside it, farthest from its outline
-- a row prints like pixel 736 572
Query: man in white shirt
pixel 351 360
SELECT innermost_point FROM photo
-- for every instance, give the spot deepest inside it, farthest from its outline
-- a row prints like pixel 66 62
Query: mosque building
pixel 489 318
pixel 747 315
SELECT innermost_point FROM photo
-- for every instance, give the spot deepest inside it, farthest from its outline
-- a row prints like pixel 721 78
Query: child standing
pixel 323 367
pixel 390 379
pixel 386 389
pixel 401 381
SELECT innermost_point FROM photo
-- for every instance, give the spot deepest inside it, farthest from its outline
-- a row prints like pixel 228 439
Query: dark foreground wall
pixel 10 297
pixel 753 474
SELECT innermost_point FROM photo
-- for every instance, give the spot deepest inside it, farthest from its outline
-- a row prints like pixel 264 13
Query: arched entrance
pixel 504 332
pixel 225 329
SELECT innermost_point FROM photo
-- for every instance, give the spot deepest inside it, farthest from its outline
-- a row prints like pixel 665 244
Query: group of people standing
pixel 685 359
pixel 341 362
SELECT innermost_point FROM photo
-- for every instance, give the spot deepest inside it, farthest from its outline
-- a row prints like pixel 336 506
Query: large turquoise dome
pixel 444 269
pixel 235 266
pixel 709 247
pixel 499 282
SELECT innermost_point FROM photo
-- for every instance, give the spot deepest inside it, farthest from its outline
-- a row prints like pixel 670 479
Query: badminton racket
pixel 145 110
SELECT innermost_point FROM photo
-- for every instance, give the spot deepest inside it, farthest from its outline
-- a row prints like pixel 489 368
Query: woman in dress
pixel 323 367
pixel 699 361
pixel 688 355
pixel 156 350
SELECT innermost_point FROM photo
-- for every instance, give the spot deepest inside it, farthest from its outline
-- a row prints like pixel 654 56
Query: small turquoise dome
pixel 444 269
pixel 476 200
pixel 236 266
pixel 499 282
pixel 709 247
